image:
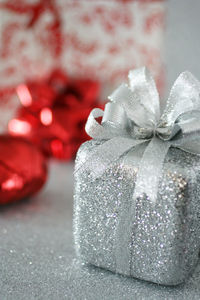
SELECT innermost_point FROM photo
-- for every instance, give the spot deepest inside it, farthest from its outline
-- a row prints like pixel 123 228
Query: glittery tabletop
pixel 37 258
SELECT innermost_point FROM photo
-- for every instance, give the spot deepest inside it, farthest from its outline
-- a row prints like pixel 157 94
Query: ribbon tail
pixel 150 170
pixel 189 138
pixel 104 155
pixel 191 144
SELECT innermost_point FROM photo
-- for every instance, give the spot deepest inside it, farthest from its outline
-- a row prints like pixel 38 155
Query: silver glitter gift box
pixel 137 185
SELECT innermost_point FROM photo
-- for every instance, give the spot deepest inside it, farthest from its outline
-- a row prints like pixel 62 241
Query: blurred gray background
pixel 182 38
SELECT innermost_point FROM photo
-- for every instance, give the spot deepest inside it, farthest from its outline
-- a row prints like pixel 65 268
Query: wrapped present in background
pixel 105 38
pixel 98 40
pixel 30 47
pixel 137 183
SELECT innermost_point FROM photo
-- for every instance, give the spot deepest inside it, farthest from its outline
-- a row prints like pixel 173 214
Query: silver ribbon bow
pixel 133 117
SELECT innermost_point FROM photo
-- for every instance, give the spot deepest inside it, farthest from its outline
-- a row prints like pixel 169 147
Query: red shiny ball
pixel 54 112
pixel 23 169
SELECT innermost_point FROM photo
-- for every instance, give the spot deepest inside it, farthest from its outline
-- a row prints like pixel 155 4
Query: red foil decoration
pixel 23 169
pixel 54 112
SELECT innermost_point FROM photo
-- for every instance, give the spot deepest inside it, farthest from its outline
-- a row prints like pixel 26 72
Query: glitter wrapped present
pixel 137 183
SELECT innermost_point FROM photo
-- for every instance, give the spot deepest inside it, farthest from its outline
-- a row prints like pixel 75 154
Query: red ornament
pixel 54 112
pixel 23 169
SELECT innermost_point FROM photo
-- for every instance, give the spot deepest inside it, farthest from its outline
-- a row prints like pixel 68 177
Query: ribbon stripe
pixel 150 169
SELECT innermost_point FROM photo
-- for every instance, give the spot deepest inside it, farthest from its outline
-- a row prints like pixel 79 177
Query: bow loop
pixel 184 97
pixel 144 88
pixel 114 122
pixel 115 115
pixel 140 99
pixel 124 96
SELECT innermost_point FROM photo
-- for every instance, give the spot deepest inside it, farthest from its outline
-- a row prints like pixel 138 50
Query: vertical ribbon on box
pixel 132 118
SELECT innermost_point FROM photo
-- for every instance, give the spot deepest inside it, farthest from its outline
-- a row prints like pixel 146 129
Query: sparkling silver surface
pixel 165 235
pixel 38 261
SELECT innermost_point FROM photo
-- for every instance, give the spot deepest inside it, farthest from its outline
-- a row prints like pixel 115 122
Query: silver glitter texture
pixel 165 239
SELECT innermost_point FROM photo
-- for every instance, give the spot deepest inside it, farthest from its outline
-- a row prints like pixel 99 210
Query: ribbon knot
pixel 133 117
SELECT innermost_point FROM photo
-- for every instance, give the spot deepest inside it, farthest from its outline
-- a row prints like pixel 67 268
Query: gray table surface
pixel 37 258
